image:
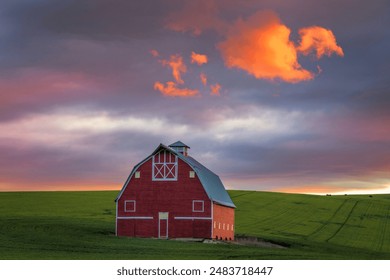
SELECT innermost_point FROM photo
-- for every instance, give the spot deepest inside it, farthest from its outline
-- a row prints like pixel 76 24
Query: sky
pixel 287 96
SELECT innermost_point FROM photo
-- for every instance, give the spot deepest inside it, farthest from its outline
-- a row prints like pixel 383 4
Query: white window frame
pixel 137 174
pixel 134 203
pixel 192 174
pixel 164 168
pixel 193 205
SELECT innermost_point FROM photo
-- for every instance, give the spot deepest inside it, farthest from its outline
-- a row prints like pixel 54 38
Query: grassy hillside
pixel 81 225
pixel 359 222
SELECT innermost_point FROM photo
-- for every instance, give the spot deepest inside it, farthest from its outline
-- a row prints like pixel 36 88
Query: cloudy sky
pixel 271 95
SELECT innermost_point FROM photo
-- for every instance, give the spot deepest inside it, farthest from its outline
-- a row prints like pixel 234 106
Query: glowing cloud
pixel 177 65
pixel 198 58
pixel 320 40
pixel 261 46
pixel 203 79
pixel 170 89
pixel 215 89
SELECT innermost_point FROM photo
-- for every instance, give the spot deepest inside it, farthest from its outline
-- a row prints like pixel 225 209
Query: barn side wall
pixel 223 222
pixel 172 197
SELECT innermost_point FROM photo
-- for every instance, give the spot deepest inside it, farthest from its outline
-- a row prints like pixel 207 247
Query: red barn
pixel 171 195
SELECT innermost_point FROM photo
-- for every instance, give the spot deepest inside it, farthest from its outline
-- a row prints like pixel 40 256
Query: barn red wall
pixel 174 197
pixel 137 228
pixel 223 218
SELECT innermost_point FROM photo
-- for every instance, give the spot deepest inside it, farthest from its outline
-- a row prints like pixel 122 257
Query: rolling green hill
pixel 81 225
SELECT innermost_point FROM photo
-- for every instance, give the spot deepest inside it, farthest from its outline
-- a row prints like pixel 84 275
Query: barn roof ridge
pixel 211 182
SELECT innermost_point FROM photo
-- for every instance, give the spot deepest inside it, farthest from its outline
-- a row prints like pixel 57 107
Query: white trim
pixel 212 219
pixel 134 206
pixel 193 218
pixel 164 171
pixel 193 204
pixel 137 174
pixel 135 218
pixel 116 220
pixel 159 222
pixel 192 174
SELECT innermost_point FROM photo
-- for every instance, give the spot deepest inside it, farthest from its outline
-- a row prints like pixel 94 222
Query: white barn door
pixel 163 225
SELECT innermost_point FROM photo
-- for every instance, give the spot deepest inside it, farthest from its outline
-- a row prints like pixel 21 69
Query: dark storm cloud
pixel 100 19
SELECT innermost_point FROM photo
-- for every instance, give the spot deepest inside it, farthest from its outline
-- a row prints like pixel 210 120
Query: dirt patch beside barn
pixel 255 241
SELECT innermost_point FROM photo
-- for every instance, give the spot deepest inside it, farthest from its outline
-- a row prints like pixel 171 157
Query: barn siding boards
pixel 174 198
pixel 223 216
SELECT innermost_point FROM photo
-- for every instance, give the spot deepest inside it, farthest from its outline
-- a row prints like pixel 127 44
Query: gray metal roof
pixel 212 184
pixel 210 181
pixel 178 144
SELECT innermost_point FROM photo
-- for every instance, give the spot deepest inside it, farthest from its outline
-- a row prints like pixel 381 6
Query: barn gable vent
pixel 180 147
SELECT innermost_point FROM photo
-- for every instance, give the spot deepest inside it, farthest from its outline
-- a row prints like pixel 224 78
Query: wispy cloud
pixel 177 65
pixel 320 40
pixel 170 89
pixel 198 58
pixel 203 78
pixel 215 89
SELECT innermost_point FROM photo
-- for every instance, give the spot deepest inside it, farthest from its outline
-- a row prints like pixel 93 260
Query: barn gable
pixel 164 169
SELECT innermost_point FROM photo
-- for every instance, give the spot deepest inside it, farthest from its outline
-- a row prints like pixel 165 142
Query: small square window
pixel 197 206
pixel 192 174
pixel 130 206
pixel 137 174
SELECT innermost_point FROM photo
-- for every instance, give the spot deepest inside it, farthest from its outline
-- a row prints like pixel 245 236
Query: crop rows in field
pixel 341 220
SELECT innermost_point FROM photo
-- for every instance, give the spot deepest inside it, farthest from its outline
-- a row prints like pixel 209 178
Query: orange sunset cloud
pixel 177 65
pixel 171 89
pixel 203 78
pixel 215 89
pixel 198 58
pixel 320 40
pixel 261 46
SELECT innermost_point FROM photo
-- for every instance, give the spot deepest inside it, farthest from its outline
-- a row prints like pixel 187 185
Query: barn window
pixel 232 227
pixel 227 226
pixel 197 206
pixel 192 174
pixel 164 166
pixel 129 205
pixel 215 224
pixel 137 174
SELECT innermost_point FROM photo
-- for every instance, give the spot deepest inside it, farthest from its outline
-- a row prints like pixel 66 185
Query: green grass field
pixel 81 225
